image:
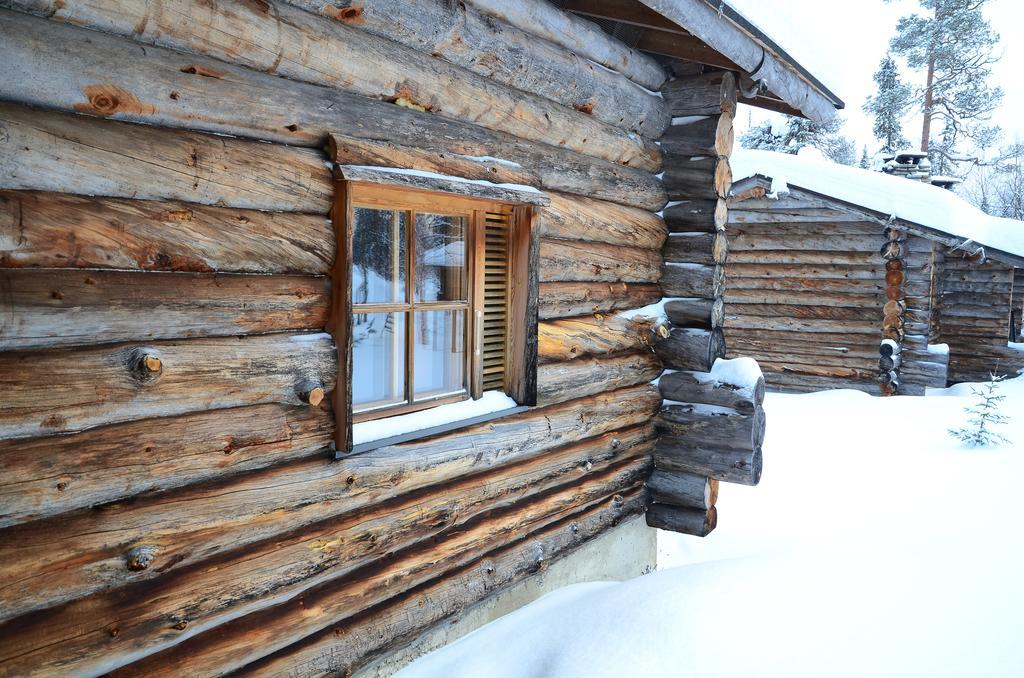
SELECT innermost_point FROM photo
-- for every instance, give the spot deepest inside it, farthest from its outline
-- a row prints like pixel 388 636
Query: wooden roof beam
pixel 723 30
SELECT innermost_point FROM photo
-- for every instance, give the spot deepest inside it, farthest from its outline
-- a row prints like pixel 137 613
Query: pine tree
pixel 865 161
pixel 762 137
pixel 889 106
pixel 953 43
pixel 978 432
pixel 800 132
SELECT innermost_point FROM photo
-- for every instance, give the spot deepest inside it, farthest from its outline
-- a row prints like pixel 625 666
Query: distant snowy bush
pixel 985 414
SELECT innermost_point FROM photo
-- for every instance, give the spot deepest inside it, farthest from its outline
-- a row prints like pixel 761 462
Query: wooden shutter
pixel 495 299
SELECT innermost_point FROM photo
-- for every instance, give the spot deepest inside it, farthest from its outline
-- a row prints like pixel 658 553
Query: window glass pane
pixel 378 360
pixel 378 256
pixel 440 257
pixel 439 353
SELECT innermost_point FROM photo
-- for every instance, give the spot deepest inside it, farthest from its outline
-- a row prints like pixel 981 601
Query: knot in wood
pixel 145 365
pixel 315 396
pixel 140 557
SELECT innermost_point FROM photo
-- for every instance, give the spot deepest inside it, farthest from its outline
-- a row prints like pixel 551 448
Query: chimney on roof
pixel 915 165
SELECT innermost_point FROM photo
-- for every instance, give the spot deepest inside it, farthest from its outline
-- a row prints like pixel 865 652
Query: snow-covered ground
pixel 876 545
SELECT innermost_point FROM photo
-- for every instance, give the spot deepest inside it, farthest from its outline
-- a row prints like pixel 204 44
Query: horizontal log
pixel 697 248
pixel 247 639
pixel 742 467
pixel 121 382
pixel 570 217
pixel 578 260
pixel 688 180
pixel 268 573
pixel 775 226
pixel 818 258
pixel 690 349
pixel 55 230
pixel 45 308
pixel 693 280
pixel 870 297
pixel 196 523
pixel 818 370
pixel 700 387
pixel 870 314
pixel 705 216
pixel 462 35
pixel 705 94
pixel 711 135
pixel 868 243
pixel 274 37
pixel 702 314
pixel 573 338
pixel 754 322
pixel 47 151
pixel 810 359
pixel 691 521
pixel 677 488
pixel 562 381
pixel 349 646
pixel 57 474
pixel 580 36
pixel 790 213
pixel 724 430
pixel 569 299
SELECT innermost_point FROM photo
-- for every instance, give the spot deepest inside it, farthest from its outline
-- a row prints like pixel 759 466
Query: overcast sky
pixel 842 41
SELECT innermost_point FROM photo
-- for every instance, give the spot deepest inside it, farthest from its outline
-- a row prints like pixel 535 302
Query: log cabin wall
pixel 812 291
pixel 973 311
pixel 169 503
pixel 1017 317
pixel 710 431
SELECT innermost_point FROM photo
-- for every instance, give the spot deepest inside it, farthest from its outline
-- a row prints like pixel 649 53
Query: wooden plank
pixel 562 381
pixel 44 308
pixel 573 338
pixel 124 382
pixel 57 474
pixel 337 552
pixel 274 38
pixel 243 641
pixel 462 35
pixel 569 299
pixel 55 230
pixel 47 151
pixel 196 523
pixel 541 18
pixel 581 261
pixel 571 217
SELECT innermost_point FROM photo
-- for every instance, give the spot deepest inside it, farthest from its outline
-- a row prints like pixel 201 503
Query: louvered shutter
pixel 495 300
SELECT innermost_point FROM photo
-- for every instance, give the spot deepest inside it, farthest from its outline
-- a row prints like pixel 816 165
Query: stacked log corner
pixel 698 178
pixel 893 323
pixel 169 504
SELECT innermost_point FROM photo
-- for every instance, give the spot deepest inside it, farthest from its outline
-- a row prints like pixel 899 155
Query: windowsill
pixel 435 421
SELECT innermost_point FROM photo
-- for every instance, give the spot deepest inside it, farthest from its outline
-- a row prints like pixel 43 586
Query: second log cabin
pixel 310 339
pixel 849 278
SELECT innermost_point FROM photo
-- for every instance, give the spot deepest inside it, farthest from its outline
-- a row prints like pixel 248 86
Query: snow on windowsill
pixel 389 427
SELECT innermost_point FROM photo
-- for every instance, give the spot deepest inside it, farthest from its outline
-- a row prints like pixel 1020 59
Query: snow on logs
pixel 711 430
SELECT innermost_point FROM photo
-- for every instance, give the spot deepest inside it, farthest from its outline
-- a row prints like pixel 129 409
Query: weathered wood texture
pixel 325 557
pixel 47 151
pixel 682 489
pixel 272 37
pixel 972 314
pixel 170 501
pixel 741 466
pixel 462 35
pixel 690 349
pixel 573 338
pixel 208 520
pixel 577 35
pixel 809 294
pixel 693 280
pixel 568 299
pixel 696 387
pixel 692 521
pixel 55 230
pixel 580 260
pixel 59 307
pixel 702 314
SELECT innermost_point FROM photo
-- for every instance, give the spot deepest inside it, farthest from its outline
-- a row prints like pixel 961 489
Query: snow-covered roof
pixel 916 202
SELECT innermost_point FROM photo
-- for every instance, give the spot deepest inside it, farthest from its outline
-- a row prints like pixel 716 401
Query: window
pixel 438 290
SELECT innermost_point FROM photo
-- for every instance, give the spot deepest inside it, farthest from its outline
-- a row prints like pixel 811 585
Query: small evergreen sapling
pixel 978 430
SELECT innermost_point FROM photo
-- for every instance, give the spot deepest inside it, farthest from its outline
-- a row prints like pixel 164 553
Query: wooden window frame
pixel 521 297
